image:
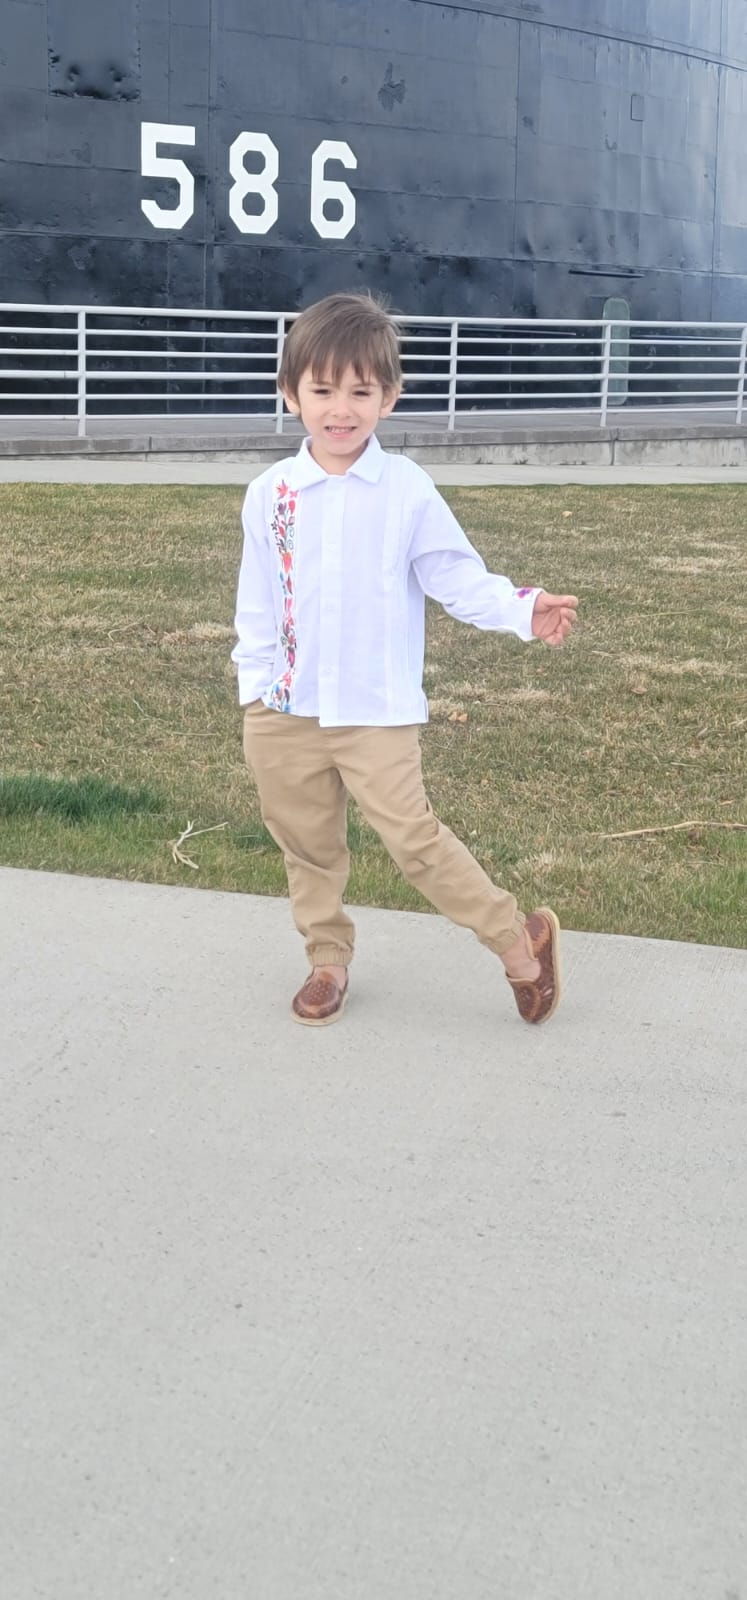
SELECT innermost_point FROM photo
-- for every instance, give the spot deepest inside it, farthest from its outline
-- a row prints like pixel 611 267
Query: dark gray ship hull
pixel 526 159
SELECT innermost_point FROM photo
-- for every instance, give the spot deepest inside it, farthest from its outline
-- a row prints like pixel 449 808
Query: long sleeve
pixel 451 571
pixel 255 621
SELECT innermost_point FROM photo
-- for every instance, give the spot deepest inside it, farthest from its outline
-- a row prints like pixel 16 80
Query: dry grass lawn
pixel 119 722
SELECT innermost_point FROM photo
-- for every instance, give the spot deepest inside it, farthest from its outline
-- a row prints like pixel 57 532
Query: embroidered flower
pixel 283 524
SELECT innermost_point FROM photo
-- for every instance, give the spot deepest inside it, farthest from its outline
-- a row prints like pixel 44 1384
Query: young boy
pixel 342 543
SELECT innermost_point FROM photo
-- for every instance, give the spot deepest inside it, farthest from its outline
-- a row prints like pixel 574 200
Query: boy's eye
pixel 358 394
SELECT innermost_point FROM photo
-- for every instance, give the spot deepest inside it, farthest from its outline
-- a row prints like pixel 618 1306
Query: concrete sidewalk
pixel 425 1306
pixel 58 469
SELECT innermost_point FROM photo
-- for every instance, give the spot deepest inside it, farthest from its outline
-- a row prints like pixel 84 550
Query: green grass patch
pixel 119 722
pixel 72 799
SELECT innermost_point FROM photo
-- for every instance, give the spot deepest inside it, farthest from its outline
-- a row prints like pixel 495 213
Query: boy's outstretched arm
pixel 451 571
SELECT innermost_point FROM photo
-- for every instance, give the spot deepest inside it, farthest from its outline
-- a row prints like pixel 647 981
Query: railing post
pixel 453 353
pixel 740 381
pixel 81 374
pixel 279 401
pixel 606 353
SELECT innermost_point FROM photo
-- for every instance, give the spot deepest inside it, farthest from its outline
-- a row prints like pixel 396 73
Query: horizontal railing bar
pixel 41 399
pixel 595 396
pixel 175 333
pixel 675 407
pixel 692 359
pixel 587 379
pixel 640 379
pixel 405 419
pixel 495 394
pixel 508 360
pixel 551 360
pixel 200 313
pixel 592 395
pixel 176 355
pixel 244 439
pixel 270 355
pixel 591 406
pixel 237 378
pixel 144 416
pixel 39 372
pixel 624 339
pixel 574 322
pixel 589 385
pixel 199 375
pixel 531 375
pixel 171 399
pixel 12 350
pixel 181 377
pixel 585 410
pixel 678 344
pixel 204 313
pixel 511 339
pixel 43 333
pixel 703 394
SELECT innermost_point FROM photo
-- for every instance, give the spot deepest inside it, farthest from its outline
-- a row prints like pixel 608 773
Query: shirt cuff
pixel 522 611
pixel 253 682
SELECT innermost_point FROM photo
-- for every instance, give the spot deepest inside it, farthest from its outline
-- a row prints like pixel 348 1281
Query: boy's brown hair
pixel 344 330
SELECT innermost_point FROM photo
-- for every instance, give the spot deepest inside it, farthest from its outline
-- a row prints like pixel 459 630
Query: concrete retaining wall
pixel 663 446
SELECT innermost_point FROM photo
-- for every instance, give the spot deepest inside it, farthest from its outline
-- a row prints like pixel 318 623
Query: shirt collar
pixel 368 466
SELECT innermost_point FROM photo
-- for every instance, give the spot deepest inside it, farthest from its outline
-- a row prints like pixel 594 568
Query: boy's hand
pixel 553 617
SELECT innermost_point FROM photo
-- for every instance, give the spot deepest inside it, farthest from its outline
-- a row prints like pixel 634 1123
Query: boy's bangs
pixel 364 356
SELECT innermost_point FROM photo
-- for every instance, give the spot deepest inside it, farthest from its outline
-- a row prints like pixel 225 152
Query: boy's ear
pixel 291 402
pixel 389 401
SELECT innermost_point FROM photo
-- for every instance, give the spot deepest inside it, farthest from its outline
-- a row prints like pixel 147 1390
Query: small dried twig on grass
pixel 190 832
pixel 673 827
pixel 124 627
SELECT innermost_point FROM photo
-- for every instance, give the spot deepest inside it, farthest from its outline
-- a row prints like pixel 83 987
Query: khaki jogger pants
pixel 304 775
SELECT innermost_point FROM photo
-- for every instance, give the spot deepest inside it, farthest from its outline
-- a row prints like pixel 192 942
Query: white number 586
pixel 259 183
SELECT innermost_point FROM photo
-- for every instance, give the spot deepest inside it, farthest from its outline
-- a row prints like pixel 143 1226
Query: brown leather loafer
pixel 320 1001
pixel 538 998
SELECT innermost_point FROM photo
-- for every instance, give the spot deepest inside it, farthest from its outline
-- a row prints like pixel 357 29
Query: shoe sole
pixel 545 911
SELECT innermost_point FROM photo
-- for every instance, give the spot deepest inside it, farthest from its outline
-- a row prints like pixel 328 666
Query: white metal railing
pixel 88 362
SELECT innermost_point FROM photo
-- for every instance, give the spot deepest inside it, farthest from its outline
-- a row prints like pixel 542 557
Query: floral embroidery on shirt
pixel 283 524
pixel 521 594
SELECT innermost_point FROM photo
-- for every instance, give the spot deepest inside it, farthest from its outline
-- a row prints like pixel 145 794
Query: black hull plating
pixel 507 159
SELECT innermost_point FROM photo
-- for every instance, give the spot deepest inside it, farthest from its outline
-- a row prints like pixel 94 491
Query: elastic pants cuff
pixel 509 936
pixel 328 955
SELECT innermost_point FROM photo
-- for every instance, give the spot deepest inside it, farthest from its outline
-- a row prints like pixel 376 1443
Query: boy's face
pixel 340 417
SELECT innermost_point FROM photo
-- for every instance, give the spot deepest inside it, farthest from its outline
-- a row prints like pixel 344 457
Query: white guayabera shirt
pixel 330 612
